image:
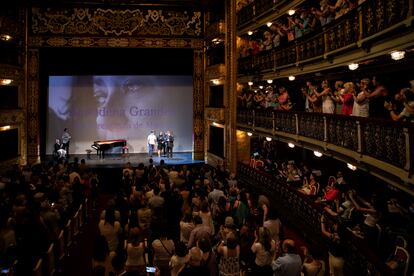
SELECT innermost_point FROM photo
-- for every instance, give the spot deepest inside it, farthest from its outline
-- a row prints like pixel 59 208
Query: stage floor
pixel 119 160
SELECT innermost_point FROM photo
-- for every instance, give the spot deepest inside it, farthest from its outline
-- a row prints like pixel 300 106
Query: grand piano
pixel 104 145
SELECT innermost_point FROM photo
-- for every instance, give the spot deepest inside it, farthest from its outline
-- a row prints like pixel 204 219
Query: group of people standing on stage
pixel 61 147
pixel 164 143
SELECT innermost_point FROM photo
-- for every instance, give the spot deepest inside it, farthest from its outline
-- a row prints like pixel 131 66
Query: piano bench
pixel 88 153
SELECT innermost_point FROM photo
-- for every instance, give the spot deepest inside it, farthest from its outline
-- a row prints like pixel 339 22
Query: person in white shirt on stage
pixel 152 141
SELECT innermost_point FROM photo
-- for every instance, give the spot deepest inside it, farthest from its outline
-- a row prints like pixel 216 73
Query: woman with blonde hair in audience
pixel 361 102
pixel 347 98
pixel 264 248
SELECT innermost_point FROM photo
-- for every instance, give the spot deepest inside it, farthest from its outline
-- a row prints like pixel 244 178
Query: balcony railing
pixel 369 139
pixel 368 21
pixel 304 214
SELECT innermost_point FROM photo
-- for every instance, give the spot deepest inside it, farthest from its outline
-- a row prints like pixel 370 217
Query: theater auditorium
pixel 207 137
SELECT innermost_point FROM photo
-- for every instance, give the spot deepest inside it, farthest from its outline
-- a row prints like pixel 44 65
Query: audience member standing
pixel 290 263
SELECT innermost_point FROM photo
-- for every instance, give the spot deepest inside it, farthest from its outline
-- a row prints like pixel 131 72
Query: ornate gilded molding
pixel 11 117
pixel 11 72
pixel 113 42
pixel 10 26
pixel 33 106
pixel 116 22
pixel 214 114
pixel 215 71
pixel 198 104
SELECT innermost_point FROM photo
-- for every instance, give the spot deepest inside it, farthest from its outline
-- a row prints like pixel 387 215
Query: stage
pixel 119 160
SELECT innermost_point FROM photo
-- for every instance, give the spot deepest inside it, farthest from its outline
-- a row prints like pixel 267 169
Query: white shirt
pixel 152 139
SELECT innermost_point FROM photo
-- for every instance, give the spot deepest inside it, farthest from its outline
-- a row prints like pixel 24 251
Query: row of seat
pixel 59 249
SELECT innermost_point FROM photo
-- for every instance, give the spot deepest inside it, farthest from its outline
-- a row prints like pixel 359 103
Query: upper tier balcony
pixel 371 30
pixel 382 147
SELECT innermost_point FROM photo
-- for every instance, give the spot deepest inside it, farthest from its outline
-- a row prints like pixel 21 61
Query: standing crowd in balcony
pixel 366 98
pixel 288 28
pixel 378 217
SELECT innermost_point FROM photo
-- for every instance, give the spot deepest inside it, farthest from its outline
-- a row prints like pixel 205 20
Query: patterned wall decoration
pixel 33 106
pixel 116 22
pixel 11 72
pixel 198 104
pixel 112 42
pixel 11 117
pixel 10 26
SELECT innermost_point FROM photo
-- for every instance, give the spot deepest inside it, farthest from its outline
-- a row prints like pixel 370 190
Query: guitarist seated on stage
pixel 58 151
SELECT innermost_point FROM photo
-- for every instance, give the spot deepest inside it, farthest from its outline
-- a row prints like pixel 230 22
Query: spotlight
pixel 397 55
pixel 269 81
pixel 269 24
pixel 249 134
pixel 268 139
pixel 317 153
pixel 351 167
pixel 250 32
pixel 353 66
pixel 292 78
pixel 291 12
pixel 291 145
pixel 250 83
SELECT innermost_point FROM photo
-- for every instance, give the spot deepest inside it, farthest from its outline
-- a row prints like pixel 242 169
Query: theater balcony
pixel 13 101
pixel 380 147
pixel 368 31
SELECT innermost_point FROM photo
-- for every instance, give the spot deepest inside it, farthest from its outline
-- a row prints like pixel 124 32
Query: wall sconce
pixel 3 128
pixel 5 81
pixel 397 55
pixel 250 83
pixel 268 139
pixel 5 37
pixel 291 145
pixel 260 86
pixel 291 78
pixel 351 167
pixel 291 12
pixel 353 66
pixel 269 24
pixel 249 134
pixel 317 153
pixel 215 81
pixel 250 32
pixel 269 81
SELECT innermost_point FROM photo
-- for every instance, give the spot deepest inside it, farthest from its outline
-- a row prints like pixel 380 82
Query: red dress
pixel 348 104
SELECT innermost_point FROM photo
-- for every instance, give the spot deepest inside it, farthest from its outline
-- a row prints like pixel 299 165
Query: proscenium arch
pixel 105 28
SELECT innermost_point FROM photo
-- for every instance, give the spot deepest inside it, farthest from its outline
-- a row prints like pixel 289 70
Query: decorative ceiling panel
pixel 140 22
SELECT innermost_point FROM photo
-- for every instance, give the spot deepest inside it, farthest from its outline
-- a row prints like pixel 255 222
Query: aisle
pixel 79 260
